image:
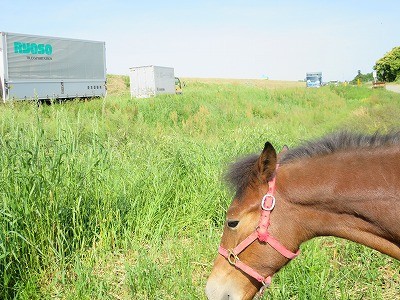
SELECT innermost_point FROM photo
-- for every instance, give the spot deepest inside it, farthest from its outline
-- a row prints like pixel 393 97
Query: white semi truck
pixel 42 67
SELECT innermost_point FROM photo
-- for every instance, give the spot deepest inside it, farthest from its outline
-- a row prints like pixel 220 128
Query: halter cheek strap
pixel 261 233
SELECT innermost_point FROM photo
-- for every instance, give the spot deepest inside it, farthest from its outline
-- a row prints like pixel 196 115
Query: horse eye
pixel 233 224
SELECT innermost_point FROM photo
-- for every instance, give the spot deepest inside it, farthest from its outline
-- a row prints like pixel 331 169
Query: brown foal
pixel 344 185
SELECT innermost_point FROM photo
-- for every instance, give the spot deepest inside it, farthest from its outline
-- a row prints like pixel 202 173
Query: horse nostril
pixel 233 224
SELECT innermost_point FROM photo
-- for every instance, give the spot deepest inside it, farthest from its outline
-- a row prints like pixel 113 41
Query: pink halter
pixel 261 233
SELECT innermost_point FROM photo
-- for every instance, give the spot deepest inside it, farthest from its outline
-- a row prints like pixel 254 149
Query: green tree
pixel 363 77
pixel 388 67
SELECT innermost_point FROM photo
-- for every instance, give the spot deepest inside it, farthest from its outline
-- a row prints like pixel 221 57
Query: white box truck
pixel 42 67
pixel 150 81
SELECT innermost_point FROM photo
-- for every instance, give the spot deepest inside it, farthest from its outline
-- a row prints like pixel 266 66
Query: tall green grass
pixel 121 198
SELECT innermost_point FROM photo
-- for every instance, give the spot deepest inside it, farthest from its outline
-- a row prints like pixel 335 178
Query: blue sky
pixel 281 40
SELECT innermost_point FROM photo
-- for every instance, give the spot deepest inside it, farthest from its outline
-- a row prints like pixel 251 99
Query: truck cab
pixel 178 86
pixel 314 79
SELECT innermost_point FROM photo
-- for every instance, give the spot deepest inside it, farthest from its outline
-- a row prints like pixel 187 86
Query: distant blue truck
pixel 314 79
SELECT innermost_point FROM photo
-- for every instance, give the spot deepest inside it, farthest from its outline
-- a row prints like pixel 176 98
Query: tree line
pixel 387 68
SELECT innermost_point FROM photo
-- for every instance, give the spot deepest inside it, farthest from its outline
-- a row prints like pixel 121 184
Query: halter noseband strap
pixel 261 233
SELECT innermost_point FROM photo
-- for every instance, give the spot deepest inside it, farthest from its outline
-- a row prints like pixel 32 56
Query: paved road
pixel 393 87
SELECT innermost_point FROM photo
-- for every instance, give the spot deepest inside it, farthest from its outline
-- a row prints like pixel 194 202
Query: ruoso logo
pixel 32 48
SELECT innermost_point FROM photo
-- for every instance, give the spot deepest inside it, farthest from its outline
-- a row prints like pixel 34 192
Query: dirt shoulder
pixel 393 87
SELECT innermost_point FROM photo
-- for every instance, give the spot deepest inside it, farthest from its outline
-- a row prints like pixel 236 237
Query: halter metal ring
pixel 232 257
pixel 266 196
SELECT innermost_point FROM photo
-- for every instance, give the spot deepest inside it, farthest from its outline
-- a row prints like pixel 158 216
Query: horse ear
pixel 283 151
pixel 266 163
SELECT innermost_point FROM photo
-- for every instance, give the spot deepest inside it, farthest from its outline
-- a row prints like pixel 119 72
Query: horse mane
pixel 340 141
pixel 242 173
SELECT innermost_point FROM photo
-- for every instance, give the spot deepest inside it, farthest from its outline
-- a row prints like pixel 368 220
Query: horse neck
pixel 350 195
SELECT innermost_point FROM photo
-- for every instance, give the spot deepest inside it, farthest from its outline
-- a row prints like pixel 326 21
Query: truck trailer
pixel 36 67
pixel 148 81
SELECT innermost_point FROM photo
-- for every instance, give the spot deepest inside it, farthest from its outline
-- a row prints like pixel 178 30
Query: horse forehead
pixel 241 205
pixel 235 208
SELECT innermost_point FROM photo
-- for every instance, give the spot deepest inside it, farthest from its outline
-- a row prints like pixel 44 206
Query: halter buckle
pixel 263 204
pixel 232 257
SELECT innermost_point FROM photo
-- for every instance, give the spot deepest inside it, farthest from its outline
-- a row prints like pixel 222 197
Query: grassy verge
pixel 121 198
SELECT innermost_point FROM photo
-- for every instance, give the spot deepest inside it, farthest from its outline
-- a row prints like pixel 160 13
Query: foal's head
pixel 250 177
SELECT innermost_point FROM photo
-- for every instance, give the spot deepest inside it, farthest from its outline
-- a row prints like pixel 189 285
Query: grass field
pixel 120 198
